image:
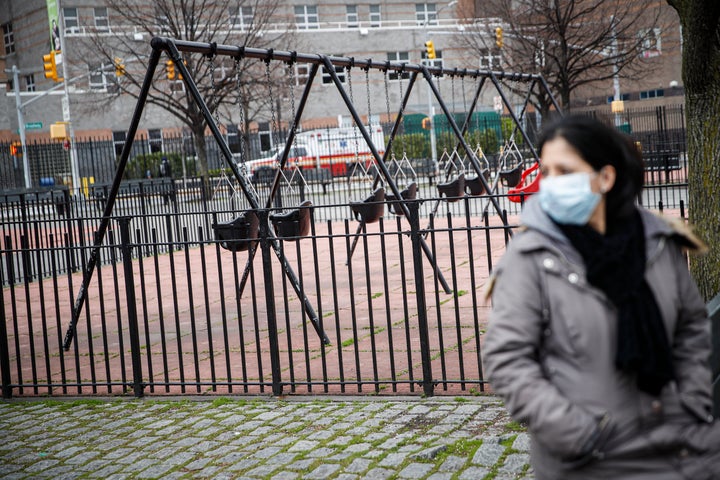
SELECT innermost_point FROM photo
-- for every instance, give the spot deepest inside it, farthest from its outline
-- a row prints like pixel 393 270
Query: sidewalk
pixel 262 438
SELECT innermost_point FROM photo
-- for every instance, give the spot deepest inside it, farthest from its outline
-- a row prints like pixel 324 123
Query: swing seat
pixel 294 224
pixel 371 209
pixel 512 178
pixel 368 211
pixel 519 193
pixel 409 193
pixel 453 190
pixel 238 235
pixel 473 186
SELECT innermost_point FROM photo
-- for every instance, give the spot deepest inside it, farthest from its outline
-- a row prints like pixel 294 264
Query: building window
pixel 375 18
pixel 162 21
pixel 351 16
pixel 302 73
pixel 435 62
pixel 30 83
pixel 327 79
pixel 100 77
pixel 71 19
pixel 155 140
pixel 625 97
pixel 490 59
pixel 8 38
pixel 402 57
pixel 306 17
pixel 119 141
pixel 651 44
pixel 652 94
pixel 241 18
pixel 102 24
pixel 425 14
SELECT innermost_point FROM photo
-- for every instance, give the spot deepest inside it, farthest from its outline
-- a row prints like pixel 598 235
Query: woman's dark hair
pixel 600 145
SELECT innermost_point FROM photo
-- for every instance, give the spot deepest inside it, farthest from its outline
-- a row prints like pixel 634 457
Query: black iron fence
pixel 660 132
pixel 170 310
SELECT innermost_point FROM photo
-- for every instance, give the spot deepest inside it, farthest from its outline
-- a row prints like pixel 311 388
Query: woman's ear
pixel 606 178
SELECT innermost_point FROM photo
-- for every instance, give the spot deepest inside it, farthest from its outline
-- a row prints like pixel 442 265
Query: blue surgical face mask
pixel 568 199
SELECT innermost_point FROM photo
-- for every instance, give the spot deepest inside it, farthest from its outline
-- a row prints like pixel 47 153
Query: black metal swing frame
pixel 173 48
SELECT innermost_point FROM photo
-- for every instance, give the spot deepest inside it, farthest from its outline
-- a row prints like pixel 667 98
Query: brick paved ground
pixel 262 438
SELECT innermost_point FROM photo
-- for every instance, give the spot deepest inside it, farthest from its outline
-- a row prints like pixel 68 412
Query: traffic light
pixel 430 49
pixel 170 68
pixel 499 37
pixel 119 67
pixel 50 66
pixel 15 149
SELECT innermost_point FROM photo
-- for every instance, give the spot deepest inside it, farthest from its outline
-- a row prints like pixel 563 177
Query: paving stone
pixel 393 460
pixel 488 454
pixel 522 442
pixel 452 463
pixel 303 446
pixel 359 465
pixel 416 470
pixel 380 473
pixel 263 470
pixel 515 463
pixel 473 473
pixel 323 471
pixel 285 475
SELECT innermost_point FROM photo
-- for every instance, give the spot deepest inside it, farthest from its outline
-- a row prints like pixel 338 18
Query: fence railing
pixel 170 310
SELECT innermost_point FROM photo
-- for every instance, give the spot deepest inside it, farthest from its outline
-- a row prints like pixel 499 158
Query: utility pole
pixel 431 105
pixel 21 126
pixel 66 107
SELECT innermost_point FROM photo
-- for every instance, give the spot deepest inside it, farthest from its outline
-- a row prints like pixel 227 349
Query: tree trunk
pixel 198 130
pixel 701 76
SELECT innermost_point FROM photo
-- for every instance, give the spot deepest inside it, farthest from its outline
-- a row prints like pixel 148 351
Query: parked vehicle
pixel 336 149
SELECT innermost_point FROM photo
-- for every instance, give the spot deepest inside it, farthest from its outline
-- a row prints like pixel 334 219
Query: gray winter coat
pixel 549 352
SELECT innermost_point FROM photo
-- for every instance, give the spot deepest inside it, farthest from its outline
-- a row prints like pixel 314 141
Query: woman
pixel 598 338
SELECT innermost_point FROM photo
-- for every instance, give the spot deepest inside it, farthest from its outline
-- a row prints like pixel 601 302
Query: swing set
pixel 257 226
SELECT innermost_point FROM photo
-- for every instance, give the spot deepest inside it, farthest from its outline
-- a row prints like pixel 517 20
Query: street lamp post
pixel 66 109
pixel 431 106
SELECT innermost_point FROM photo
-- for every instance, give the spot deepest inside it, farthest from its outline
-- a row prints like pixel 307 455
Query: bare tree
pixel 572 43
pixel 701 75
pixel 222 82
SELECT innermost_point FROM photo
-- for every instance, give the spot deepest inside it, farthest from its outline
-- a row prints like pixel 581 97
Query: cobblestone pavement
pixel 262 438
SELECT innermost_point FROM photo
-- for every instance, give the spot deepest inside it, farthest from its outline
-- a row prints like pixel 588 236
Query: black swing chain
pixel 387 104
pixel 213 84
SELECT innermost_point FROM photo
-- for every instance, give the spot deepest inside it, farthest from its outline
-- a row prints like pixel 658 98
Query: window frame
pixel 352 19
pixel 101 73
pixel 8 38
pixel 490 59
pixel 424 15
pixel 30 85
pixel 102 18
pixel 304 16
pixel 241 17
pixel 69 20
pixel 400 56
pixel 375 15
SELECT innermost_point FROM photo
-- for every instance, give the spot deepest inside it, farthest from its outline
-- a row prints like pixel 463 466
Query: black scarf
pixel 615 264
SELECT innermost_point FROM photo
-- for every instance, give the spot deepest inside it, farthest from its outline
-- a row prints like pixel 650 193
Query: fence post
pixel 4 352
pixel 264 233
pixel 714 310
pixel 415 235
pixel 131 305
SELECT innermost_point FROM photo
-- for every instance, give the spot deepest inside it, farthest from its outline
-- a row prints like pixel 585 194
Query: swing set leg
pixel 246 272
pixel 307 306
pixel 287 270
pixel 354 243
